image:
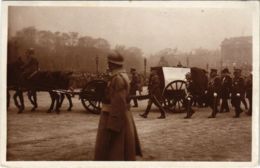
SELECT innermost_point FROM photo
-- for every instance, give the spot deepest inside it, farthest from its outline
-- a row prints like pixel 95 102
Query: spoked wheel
pixel 174 94
pixel 92 95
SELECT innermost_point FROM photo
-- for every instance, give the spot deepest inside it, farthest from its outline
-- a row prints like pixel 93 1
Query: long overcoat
pixel 117 137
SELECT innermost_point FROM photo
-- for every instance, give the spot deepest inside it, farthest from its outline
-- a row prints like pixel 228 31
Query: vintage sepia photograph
pixel 130 81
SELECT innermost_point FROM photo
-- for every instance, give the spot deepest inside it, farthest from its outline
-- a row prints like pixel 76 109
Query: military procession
pixel 221 91
pixel 112 83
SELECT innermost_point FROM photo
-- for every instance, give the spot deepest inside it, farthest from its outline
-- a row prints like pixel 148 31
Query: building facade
pixel 236 52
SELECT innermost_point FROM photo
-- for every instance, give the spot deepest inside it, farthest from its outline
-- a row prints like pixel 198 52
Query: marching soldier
pixel 189 97
pixel 117 137
pixel 155 91
pixel 249 85
pixel 237 91
pixel 226 84
pixel 134 85
pixel 213 92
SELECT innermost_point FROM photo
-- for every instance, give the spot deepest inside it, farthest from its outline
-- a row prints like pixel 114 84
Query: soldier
pixel 117 137
pixel 31 64
pixel 155 92
pixel 226 84
pixel 134 85
pixel 249 85
pixel 213 92
pixel 243 96
pixel 237 90
pixel 189 98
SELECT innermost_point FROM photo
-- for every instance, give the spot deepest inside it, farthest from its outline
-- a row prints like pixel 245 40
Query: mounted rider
pixel 31 64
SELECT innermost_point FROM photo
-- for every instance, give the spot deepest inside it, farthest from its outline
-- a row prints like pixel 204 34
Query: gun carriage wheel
pixel 92 95
pixel 174 94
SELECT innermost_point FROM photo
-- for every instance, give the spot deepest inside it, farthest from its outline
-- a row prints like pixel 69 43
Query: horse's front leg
pixel 19 94
pixel 34 100
pixel 57 99
pixel 52 101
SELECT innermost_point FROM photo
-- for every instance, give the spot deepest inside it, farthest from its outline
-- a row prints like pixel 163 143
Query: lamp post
pixel 97 62
pixel 145 64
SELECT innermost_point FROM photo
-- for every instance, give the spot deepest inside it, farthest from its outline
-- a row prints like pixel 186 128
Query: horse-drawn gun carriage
pixel 173 85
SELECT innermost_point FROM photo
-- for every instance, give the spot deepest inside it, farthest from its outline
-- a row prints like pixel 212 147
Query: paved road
pixel 71 135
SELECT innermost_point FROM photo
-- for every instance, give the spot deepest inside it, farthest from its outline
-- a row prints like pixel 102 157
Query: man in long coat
pixel 117 137
pixel 238 86
pixel 213 92
pixel 249 87
pixel 226 84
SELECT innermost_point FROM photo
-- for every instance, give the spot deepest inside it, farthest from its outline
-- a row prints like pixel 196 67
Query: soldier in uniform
pixel 117 137
pixel 155 93
pixel 134 85
pixel 249 85
pixel 31 64
pixel 213 92
pixel 189 98
pixel 226 84
pixel 237 91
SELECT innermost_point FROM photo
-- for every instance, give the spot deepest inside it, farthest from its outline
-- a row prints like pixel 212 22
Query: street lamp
pixel 97 62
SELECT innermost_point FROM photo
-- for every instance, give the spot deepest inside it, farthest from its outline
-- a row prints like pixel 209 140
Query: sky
pixel 151 29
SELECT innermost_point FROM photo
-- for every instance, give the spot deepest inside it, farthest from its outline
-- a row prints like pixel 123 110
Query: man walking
pixel 155 92
pixel 213 92
pixel 238 85
pixel 134 85
pixel 117 137
pixel 226 84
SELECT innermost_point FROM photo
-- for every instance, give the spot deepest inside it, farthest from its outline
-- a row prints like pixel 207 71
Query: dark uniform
pixel 155 92
pixel 249 86
pixel 31 65
pixel 226 84
pixel 189 98
pixel 134 85
pixel 238 85
pixel 213 92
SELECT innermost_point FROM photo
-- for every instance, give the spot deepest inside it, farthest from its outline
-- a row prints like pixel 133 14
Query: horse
pixel 41 81
pixel 13 83
pixel 54 82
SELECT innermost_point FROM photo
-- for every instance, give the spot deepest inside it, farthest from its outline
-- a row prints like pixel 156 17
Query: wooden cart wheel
pixel 174 94
pixel 92 94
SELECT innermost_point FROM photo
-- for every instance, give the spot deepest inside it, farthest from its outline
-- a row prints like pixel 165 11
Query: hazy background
pixel 137 32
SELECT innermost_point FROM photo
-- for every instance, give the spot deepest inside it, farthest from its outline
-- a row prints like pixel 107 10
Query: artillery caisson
pixel 173 84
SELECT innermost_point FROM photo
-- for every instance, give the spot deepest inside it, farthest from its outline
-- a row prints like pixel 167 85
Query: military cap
pixel 225 70
pixel 115 58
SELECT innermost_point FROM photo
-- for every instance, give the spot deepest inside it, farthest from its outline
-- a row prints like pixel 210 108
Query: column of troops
pixel 221 89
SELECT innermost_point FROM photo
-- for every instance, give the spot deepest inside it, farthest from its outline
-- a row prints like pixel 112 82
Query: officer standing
pixel 237 91
pixel 117 137
pixel 226 84
pixel 213 92
pixel 134 85
pixel 249 86
pixel 189 98
pixel 155 92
